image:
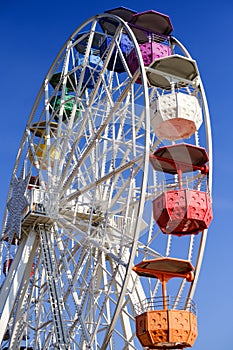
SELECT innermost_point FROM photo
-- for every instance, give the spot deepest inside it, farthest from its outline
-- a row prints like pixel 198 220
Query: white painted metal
pixel 56 301
pixel 15 280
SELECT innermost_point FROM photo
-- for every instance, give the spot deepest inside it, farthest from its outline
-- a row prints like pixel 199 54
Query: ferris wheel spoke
pixel 87 151
pixel 98 182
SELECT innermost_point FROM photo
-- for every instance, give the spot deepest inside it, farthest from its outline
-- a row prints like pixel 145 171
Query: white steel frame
pixel 95 219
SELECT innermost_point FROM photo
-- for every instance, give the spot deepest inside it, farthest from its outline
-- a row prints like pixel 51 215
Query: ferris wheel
pixel 110 198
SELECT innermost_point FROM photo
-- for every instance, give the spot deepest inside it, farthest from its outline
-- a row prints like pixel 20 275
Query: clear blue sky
pixel 32 33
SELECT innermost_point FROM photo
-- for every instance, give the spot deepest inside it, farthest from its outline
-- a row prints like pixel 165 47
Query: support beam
pixel 14 279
